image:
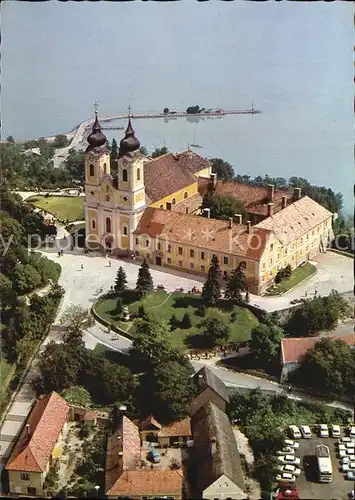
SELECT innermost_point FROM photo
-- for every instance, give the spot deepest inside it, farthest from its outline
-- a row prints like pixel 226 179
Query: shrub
pixel 142 312
pixel 201 311
pixel 186 321
pixel 173 322
pixel 119 306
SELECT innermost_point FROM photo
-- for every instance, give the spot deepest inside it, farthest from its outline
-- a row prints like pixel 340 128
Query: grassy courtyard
pixel 163 305
pixel 297 276
pixel 62 207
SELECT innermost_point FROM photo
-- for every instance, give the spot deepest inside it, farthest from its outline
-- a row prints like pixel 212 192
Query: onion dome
pixel 130 142
pixel 96 138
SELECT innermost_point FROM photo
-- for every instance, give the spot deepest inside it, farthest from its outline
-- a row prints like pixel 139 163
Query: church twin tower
pixel 114 204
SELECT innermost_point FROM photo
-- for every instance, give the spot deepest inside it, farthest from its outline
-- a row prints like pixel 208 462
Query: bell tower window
pixel 124 175
pixel 91 170
pixel 105 169
pixel 138 174
pixel 108 225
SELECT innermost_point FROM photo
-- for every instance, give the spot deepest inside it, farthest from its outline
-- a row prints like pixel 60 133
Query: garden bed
pixel 298 275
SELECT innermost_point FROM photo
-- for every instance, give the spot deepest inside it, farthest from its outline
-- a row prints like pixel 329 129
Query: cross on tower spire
pixel 129 111
pixel 96 105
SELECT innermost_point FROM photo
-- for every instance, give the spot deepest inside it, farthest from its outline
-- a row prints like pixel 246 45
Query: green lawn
pixel 298 275
pixel 163 305
pixel 62 207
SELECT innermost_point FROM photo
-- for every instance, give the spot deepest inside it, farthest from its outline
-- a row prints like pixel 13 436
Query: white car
pixel 342 447
pixel 292 469
pixel 345 467
pixel 345 440
pixel 285 477
pixel 286 451
pixel 352 465
pixel 352 431
pixel 342 453
pixel 345 460
pixel 349 445
pixel 335 431
pixel 289 459
pixel 295 432
pixel 306 431
pixel 350 451
pixel 323 431
pixel 291 444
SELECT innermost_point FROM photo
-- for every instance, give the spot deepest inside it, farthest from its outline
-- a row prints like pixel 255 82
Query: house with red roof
pixel 293 351
pixel 39 445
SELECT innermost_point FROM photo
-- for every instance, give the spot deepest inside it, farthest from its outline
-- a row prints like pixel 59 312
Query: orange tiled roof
pixel 171 172
pixel 179 428
pixel 254 198
pixel 148 422
pixel 204 233
pixel 150 483
pixel 295 220
pixel 294 349
pixel 46 420
pixel 123 452
pixel 192 204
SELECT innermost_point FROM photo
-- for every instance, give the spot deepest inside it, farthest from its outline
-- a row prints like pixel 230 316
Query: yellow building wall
pixel 18 485
pixel 178 195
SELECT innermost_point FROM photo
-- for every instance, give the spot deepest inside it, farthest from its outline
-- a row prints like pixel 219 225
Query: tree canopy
pixel 211 291
pixel 265 342
pixel 215 331
pixel 236 284
pixel 222 168
pixel 145 280
pixel 159 152
pixel 222 206
pixel 121 280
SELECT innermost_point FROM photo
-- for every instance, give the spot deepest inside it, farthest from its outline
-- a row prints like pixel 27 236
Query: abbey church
pixel 151 209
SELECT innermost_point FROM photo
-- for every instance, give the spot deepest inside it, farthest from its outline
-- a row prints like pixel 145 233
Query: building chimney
pixel 213 180
pixel 284 201
pixel 296 193
pixel 207 212
pixel 270 209
pixel 230 222
pixel 237 218
pixel 28 429
pixel 248 226
pixel 270 192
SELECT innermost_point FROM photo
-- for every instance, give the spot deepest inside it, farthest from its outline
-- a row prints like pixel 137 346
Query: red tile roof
pixel 294 349
pixel 46 420
pixel 149 483
pixel 204 233
pixel 148 422
pixel 254 198
pixel 171 172
pixel 123 452
pixel 176 429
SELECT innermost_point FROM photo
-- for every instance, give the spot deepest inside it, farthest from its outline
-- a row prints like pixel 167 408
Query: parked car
pixel 350 476
pixel 350 451
pixel 306 431
pixel 345 460
pixel 345 467
pixel 342 447
pixel 323 431
pixel 352 431
pixel 154 456
pixel 352 465
pixel 289 459
pixel 292 469
pixel 335 430
pixel 292 444
pixel 349 445
pixel 285 476
pixel 295 432
pixel 345 440
pixel 286 451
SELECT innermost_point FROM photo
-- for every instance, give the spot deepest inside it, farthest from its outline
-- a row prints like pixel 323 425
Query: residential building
pixel 151 209
pixel 293 350
pixel 218 467
pixel 39 446
pixel 210 388
pixel 126 477
pixel 175 433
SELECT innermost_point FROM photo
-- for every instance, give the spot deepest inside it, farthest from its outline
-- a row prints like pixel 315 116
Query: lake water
pixel 294 61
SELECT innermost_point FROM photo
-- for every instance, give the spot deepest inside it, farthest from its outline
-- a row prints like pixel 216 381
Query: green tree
pixel 236 284
pixel 174 322
pixel 119 306
pixel 215 330
pixel 159 152
pixel 7 293
pixel 26 278
pixel 60 141
pixel 223 169
pixel 222 206
pixel 142 313
pixel 265 342
pixel 211 292
pixel 143 151
pixel 328 367
pixel 10 139
pixel 151 341
pixel 121 280
pixel 145 280
pixel 76 319
pixel 77 395
pixel 186 321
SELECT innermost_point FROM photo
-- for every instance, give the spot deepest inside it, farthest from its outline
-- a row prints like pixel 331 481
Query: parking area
pixel 308 485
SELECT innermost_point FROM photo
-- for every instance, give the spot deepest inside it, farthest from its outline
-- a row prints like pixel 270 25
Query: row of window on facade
pixel 124 172
pixel 301 239
pixel 108 226
pixel 169 204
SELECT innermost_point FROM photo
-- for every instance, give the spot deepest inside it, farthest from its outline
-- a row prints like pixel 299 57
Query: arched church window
pixel 105 168
pixel 91 170
pixel 161 207
pixel 125 230
pixel 138 174
pixel 124 175
pixel 108 225
pixel 185 195
pixel 173 201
